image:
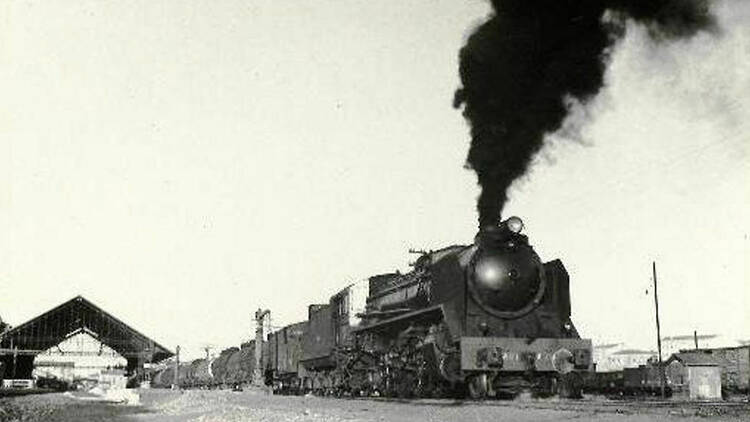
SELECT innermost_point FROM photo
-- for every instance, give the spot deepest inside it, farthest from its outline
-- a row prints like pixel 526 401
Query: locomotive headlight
pixel 514 224
pixel 491 272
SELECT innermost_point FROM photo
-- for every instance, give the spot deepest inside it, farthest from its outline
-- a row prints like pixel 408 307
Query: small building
pixel 694 375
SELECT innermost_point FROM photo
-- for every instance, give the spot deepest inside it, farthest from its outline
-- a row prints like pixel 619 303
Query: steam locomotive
pixel 480 320
pixel 487 319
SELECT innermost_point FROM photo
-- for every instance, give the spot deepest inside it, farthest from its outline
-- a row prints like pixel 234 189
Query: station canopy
pixel 76 316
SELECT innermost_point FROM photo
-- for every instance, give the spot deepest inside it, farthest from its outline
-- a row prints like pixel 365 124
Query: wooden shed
pixel 694 375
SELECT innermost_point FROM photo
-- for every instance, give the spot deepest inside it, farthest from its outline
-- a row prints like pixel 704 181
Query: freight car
pixel 645 380
pixel 199 373
pixel 162 378
pixel 221 372
pixel 485 319
pixel 233 368
pixel 610 383
pixel 284 353
pixel 642 381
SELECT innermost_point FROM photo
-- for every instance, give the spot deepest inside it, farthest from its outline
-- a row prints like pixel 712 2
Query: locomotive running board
pixel 420 315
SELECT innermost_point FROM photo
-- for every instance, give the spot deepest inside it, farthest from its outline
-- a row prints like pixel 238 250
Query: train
pixel 641 381
pixel 487 319
pixel 233 368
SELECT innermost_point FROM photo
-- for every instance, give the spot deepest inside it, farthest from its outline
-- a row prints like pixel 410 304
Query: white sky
pixel 181 164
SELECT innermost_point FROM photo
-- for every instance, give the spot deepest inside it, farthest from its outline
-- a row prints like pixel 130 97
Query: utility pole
pixel 177 368
pixel 258 372
pixel 695 337
pixel 662 376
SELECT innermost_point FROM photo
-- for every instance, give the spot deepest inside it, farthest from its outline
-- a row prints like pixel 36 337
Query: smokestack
pixel 520 68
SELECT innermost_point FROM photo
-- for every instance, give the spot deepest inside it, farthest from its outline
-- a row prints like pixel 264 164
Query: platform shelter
pixel 20 345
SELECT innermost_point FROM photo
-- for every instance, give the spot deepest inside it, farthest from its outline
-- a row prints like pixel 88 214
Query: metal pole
pixel 177 368
pixel 695 337
pixel 662 376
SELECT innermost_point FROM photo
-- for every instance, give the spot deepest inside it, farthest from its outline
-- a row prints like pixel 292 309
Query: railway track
pixel 591 405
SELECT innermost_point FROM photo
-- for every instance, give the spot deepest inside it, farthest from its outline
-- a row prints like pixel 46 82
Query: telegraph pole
pixel 177 368
pixel 695 337
pixel 662 376
pixel 258 372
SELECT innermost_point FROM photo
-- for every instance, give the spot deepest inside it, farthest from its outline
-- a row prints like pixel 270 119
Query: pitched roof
pixel 691 337
pixel 694 358
pixel 606 346
pixel 80 315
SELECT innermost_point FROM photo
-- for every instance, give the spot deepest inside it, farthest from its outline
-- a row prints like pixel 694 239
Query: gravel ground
pixel 60 407
pixel 227 406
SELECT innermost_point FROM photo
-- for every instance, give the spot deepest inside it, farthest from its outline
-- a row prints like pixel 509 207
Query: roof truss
pixel 79 315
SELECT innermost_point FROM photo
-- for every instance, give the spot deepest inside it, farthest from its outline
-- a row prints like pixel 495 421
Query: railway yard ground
pixel 221 405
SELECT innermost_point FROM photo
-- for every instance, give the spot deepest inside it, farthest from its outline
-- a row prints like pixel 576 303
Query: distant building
pixel 673 344
pixel 615 357
pixel 601 353
pixel 734 363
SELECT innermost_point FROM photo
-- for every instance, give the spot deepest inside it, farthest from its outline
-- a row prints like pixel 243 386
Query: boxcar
pixel 318 342
pixel 219 366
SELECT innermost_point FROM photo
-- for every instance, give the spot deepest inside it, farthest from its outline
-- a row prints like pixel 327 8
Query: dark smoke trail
pixel 520 65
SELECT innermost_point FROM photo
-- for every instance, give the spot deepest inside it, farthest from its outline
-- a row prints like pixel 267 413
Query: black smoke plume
pixel 519 67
